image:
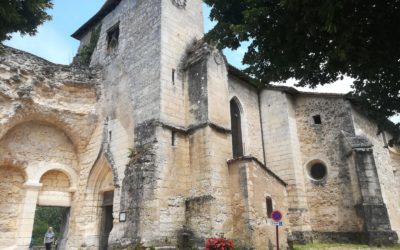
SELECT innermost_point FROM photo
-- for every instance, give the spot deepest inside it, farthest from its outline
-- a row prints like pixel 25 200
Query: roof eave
pixel 108 6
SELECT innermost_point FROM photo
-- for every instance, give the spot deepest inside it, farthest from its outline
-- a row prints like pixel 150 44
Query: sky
pixel 54 42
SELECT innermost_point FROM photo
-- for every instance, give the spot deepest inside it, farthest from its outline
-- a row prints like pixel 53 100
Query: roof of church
pixel 107 7
pixel 290 90
pixel 389 125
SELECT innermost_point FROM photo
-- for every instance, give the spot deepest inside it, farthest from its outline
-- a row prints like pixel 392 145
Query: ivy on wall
pixel 85 53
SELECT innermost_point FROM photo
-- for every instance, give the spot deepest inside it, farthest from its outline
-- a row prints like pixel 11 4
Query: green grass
pixel 340 246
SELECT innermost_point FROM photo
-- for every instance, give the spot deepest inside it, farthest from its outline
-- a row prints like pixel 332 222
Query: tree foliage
pixel 22 16
pixel 46 217
pixel 317 42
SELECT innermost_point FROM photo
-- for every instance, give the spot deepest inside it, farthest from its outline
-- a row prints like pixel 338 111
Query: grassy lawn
pixel 339 247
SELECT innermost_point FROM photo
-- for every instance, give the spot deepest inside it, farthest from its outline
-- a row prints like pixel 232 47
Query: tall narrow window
pixel 269 207
pixel 237 144
pixel 173 76
pixel 173 138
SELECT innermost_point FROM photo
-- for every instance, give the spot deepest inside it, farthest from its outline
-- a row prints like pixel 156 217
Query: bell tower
pixel 181 27
pixel 140 46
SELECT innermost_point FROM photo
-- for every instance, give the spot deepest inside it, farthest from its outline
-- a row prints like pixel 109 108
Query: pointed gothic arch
pixel 236 127
pixel 100 176
pixel 99 201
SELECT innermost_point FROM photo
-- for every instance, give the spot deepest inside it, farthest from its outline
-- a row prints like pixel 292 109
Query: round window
pixel 317 171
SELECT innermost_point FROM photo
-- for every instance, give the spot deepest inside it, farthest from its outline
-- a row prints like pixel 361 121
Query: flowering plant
pixel 219 244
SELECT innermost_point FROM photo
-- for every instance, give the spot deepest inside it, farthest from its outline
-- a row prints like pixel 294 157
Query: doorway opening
pixel 106 224
pixel 55 217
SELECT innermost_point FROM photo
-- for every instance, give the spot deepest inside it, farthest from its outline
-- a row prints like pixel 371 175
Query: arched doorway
pixel 236 127
pixel 53 207
pixel 100 198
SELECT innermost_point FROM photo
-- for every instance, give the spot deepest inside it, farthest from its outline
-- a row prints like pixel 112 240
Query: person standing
pixel 49 238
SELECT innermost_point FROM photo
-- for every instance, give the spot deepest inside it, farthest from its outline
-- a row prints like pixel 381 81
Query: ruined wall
pixel 331 202
pixel 251 183
pixel 11 200
pixel 37 144
pixel 27 92
pixel 251 123
pixel 387 164
pixel 47 116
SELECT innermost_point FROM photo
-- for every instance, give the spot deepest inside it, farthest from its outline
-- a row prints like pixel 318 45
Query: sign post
pixel 277 217
pixel 277 237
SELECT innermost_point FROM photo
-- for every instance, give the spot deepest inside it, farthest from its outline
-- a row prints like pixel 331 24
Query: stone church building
pixel 161 141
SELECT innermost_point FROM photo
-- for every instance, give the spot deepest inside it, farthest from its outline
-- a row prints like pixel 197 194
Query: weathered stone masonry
pixel 139 145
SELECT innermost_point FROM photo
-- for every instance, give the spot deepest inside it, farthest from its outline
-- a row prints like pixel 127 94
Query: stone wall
pixel 283 155
pixel 55 181
pixel 130 102
pixel 180 28
pixel 37 144
pixel 153 126
pixel 330 201
pixel 250 184
pixel 387 164
pixel 55 190
pixel 34 89
pixel 11 199
pixel 132 68
pixel 210 145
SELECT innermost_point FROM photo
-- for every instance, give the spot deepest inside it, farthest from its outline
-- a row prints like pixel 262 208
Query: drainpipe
pixel 261 126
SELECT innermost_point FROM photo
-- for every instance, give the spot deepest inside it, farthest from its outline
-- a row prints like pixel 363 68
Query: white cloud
pixel 341 86
pixel 395 118
pixel 48 44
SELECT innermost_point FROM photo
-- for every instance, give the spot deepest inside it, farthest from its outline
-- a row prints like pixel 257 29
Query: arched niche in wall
pixel 55 189
pixel 45 151
pixel 236 127
pixel 38 143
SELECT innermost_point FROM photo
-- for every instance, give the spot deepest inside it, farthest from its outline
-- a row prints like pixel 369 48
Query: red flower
pixel 219 244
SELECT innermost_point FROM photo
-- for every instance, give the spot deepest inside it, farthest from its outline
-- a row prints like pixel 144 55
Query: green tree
pixel 22 16
pixel 46 217
pixel 317 42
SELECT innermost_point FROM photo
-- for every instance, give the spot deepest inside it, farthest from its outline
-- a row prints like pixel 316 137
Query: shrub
pixel 219 244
